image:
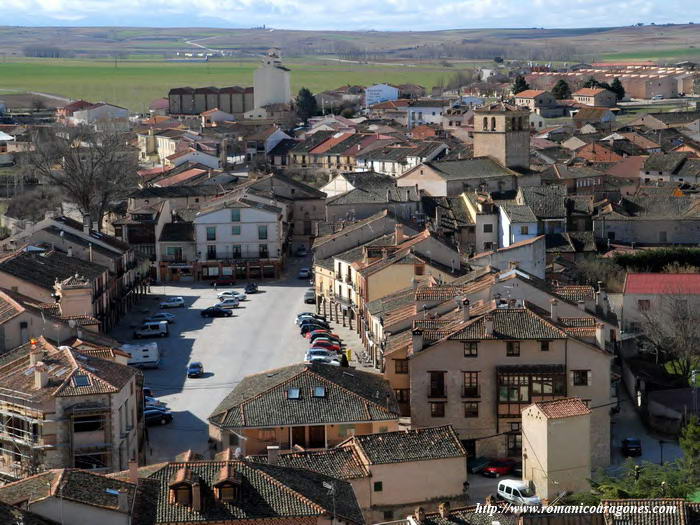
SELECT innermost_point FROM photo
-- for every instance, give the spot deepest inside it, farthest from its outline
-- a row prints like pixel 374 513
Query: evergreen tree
pixel 591 83
pixel 519 85
pixel 617 88
pixel 561 90
pixel 306 105
pixel 690 445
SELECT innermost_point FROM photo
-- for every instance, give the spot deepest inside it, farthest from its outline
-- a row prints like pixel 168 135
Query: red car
pixel 317 332
pixel 499 467
pixel 328 345
pixel 224 282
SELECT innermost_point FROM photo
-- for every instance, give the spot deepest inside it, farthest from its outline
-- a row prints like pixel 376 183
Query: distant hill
pixel 671 42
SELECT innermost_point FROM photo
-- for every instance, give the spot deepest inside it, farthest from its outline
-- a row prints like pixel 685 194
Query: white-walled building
pixel 380 93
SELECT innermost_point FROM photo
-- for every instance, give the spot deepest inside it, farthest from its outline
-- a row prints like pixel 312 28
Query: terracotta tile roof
pixel 10 515
pixel 180 177
pixel 51 310
pixel 679 517
pixel 561 408
pixel 575 293
pixel 267 492
pixel 470 516
pixel 260 400
pixel 339 462
pixel 530 93
pixel 588 92
pixel 443 292
pixel 662 283
pixel 399 341
pixel 409 445
pixel 9 308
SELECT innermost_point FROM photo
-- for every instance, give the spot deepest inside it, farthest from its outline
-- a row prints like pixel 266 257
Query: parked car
pixel 195 369
pixel 230 302
pixel 152 329
pixel 477 464
pixel 216 311
pixel 324 336
pixel 153 402
pixel 304 273
pixel 148 391
pixel 232 293
pixel 631 447
pixel 499 467
pixel 251 288
pixel 308 327
pixel 313 320
pixel 224 281
pixel 302 251
pixel 161 316
pixel 157 416
pixel 321 331
pixel 517 492
pixel 309 297
pixel 173 302
pixel 308 315
pixel 657 97
pixel 321 356
pixel 327 344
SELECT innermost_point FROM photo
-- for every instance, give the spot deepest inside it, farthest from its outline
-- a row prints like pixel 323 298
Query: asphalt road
pixel 260 335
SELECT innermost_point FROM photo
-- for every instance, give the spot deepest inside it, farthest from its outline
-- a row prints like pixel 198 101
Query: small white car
pixel 322 356
pixel 229 302
pixel 173 302
pixel 232 293
pixel 517 492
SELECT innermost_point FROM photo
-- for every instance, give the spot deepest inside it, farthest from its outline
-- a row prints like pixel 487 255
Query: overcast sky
pixel 414 15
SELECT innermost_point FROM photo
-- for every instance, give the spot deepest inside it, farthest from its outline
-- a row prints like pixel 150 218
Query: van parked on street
pixel 152 329
pixel 517 492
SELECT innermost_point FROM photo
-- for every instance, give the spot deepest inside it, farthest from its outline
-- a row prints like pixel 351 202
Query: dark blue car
pixel 195 369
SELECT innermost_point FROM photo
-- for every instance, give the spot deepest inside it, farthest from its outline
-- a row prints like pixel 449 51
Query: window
pixel 81 380
pixel 488 228
pixel 471 409
pixel 183 496
pixel 262 250
pixel 401 366
pixel 88 423
pixel 437 384
pixel 486 123
pixel 403 395
pixel 378 486
pixel 293 393
pixel 419 269
pixel 581 377
pixel 235 215
pixel 663 237
pixel 523 230
pixel 512 348
pixel 307 227
pixel 488 246
pixel 437 409
pixel 319 391
pixel 471 384
pixel 227 493
pixel 514 440
pixel 262 232
pixel 211 233
pixel 236 251
pixel 388 514
pixel 211 251
pixel 236 230
pixel 471 349
pixel 643 305
pixel 544 346
pixel 174 253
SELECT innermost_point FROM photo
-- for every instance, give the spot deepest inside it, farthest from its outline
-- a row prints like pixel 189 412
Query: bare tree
pixel 672 330
pixel 93 168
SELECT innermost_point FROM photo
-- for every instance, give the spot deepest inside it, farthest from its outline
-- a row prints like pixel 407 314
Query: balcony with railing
pixel 471 391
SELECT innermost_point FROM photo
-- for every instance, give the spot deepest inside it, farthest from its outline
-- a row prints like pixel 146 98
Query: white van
pixel 152 329
pixel 143 356
pixel 517 492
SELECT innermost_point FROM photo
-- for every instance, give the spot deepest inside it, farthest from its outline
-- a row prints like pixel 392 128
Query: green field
pixel 679 54
pixel 135 83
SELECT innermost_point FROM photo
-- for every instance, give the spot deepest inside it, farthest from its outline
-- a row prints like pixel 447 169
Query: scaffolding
pixel 21 424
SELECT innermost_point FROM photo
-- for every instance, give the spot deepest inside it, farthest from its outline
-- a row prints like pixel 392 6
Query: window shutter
pixel 589 378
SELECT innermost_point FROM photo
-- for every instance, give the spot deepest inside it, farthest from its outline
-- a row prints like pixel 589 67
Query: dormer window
pixel 183 495
pixel 293 393
pixel 319 391
pixel 81 380
pixel 228 492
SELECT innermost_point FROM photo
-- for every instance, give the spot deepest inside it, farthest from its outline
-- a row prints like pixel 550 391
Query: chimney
pixel 86 225
pixel 34 354
pixel 196 497
pixel 273 454
pixel 444 509
pixel 123 501
pixel 512 265
pixel 41 375
pixel 385 253
pixel 465 309
pixel 581 305
pixel 600 335
pixel 417 340
pixel 133 471
pixel 488 324
pixel 419 515
pixel 70 251
pixel 398 232
pixel 554 310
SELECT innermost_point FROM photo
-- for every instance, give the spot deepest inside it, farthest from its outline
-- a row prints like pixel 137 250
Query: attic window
pixel 319 391
pixel 81 380
pixel 293 393
pixel 183 495
pixel 228 492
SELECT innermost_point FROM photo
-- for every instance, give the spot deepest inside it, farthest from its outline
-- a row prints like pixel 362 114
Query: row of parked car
pixel 324 346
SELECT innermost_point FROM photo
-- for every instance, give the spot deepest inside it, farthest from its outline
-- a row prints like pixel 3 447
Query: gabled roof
pixel 339 462
pixel 260 400
pixel 561 408
pixel 665 161
pixel 518 213
pixel 374 188
pixel 464 169
pixel 530 93
pixel 588 92
pixel 662 283
pixel 546 202
pixel 422 444
pixel 9 308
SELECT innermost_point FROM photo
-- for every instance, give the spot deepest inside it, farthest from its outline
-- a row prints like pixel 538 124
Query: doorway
pixel 298 437
pixel 317 436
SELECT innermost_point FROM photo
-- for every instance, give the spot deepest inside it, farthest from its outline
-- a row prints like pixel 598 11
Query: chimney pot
pixel 466 307
pixel 273 454
pixel 581 305
pixel 488 324
pixel 444 509
pixel 123 501
pixel 133 471
pixel 554 310
pixel 34 355
pixel 417 340
pixel 196 498
pixel 41 375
